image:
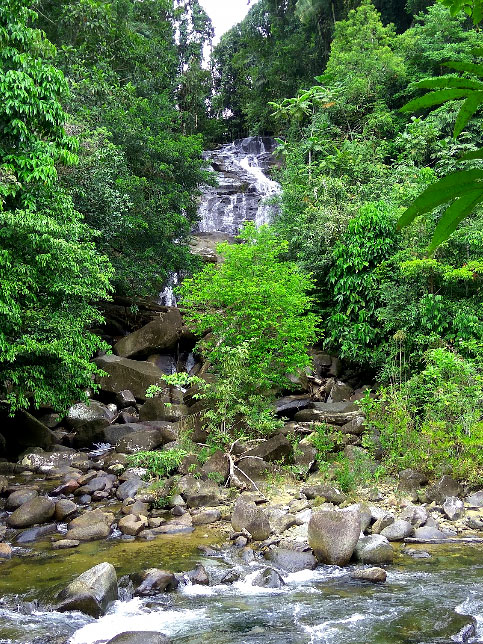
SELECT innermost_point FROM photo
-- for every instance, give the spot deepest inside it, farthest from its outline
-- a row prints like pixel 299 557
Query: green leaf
pixel 475 154
pixel 453 216
pixel 473 68
pixel 468 109
pixel 448 81
pixel 435 98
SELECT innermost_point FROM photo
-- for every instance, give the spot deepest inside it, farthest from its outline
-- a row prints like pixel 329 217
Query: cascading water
pixel 244 192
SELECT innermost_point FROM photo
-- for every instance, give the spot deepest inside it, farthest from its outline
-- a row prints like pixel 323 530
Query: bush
pixel 159 464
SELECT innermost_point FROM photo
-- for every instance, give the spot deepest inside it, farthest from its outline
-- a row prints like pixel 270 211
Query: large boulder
pixel 145 439
pixel 252 468
pixel 446 486
pixel 19 497
pixel 453 508
pixel 161 333
pixel 248 516
pixel 398 530
pixel 88 420
pixel 91 592
pixel 336 413
pixel 90 526
pixel 158 409
pixel 140 637
pixel 24 431
pixel 291 560
pixel 130 487
pixel 198 493
pixel 217 464
pixel 333 534
pixel 278 448
pixel 37 510
pixel 411 480
pixel 374 549
pixel 123 373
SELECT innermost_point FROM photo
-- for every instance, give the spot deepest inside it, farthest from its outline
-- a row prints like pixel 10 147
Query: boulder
pixel 88 420
pixel 129 488
pixel 37 533
pixel 453 508
pixel 290 405
pixel 417 515
pixel 205 517
pixel 19 497
pixel 275 449
pixel 37 510
pixel 132 525
pixel 336 413
pixel 64 544
pixel 198 576
pixel 24 431
pixel 140 637
pixel 429 532
pixel 291 560
pixel 248 516
pixel 374 575
pixel 91 592
pixel 398 530
pixel 250 468
pixel 123 373
pixel 90 526
pixel 383 522
pixel 198 493
pixel 339 392
pixel 218 464
pixel 355 426
pixel 268 578
pixel 475 500
pixel 156 581
pixel 446 486
pixel 158 409
pixel 374 549
pixel 161 333
pixel 5 551
pixel 145 439
pixel 323 490
pixel 125 398
pixel 305 457
pixel 411 480
pixel 333 534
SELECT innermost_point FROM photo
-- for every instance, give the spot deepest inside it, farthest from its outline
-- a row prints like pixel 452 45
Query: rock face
pixel 248 516
pixel 37 510
pixel 374 549
pixel 333 534
pixel 91 592
pixel 161 333
pixel 88 421
pixel 127 374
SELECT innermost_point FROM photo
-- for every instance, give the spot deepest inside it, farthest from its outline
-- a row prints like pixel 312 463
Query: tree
pixel 50 271
pixel 255 314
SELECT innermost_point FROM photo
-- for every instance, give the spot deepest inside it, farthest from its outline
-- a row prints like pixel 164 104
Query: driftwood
pixel 466 540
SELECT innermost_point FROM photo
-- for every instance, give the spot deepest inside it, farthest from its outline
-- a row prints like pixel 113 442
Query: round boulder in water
pixel 333 534
pixel 140 637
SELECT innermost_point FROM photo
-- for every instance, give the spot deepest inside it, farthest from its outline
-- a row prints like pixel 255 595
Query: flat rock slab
pixel 123 373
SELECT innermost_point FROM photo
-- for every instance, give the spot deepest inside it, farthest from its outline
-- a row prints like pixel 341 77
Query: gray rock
pixel 219 464
pixel 37 533
pixel 417 515
pixel 268 578
pixel 198 493
pixel 142 440
pixel 161 333
pixel 328 492
pixel 64 544
pixel 88 420
pixel 156 581
pixel 19 497
pixel 125 398
pixel 123 373
pixel 250 467
pixel 158 409
pixel 5 551
pixel 141 637
pixel 248 516
pixel 428 532
pixel 446 486
pixel 289 405
pixel 91 592
pixel 132 525
pixel 374 575
pixel 453 508
pixel 355 427
pixel 336 413
pixel 129 488
pixel 475 500
pixel 278 448
pixel 291 560
pixel 205 517
pixel 398 530
pixel 411 480
pixel 198 576
pixel 92 532
pixel 374 549
pixel 333 534
pixel 37 510
pixel 385 521
pixel 339 392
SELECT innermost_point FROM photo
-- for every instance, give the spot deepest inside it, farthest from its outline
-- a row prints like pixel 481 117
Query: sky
pixel 225 13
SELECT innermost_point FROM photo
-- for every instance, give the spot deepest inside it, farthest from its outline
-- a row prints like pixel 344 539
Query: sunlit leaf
pixel 454 215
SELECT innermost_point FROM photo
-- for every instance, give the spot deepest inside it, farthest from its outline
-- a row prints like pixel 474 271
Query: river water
pixel 424 601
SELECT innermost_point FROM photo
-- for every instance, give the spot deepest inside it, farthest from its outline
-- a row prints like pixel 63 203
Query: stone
pixel 276 449
pixel 198 575
pixel 291 560
pixel 475 500
pixel 411 480
pixel 129 488
pixel 339 392
pixel 268 578
pixel 37 533
pixel 217 464
pixel 198 493
pixel 125 398
pixel 248 516
pixel 417 515
pixel 132 525
pixel 374 575
pixel 374 549
pixel 156 581
pixel 161 333
pixel 157 409
pixel 88 420
pixel 19 497
pixel 333 534
pixel 205 517
pixel 5 551
pixel 92 532
pixel 142 440
pixel 322 490
pixel 453 508
pixel 91 592
pixel 446 486
pixel 123 373
pixel 251 468
pixel 398 530
pixel 64 544
pixel 355 426
pixel 289 405
pixel 140 637
pixel 24 431
pixel 37 510
pixel 336 413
